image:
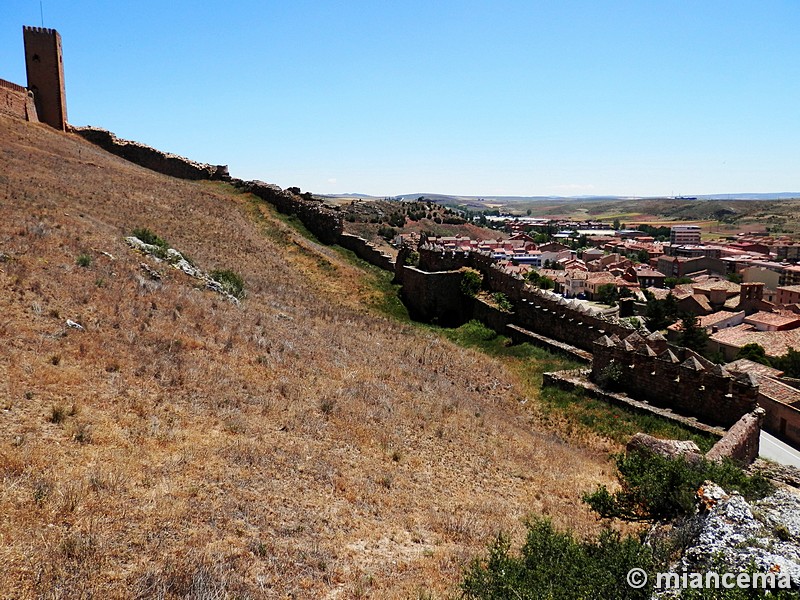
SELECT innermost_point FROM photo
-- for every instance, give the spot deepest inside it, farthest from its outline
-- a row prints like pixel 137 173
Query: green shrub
pixel 471 282
pixel 387 233
pixel 502 301
pixel 231 282
pixel 610 377
pixel 148 237
pixel 84 260
pixel 556 566
pixel 412 260
pixel 655 488
pixel 546 283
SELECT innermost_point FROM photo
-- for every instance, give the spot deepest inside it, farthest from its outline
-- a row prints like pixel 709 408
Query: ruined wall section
pixel 742 441
pixel 536 310
pixel 366 251
pixel 324 222
pixel 150 158
pixel 674 377
pixel 434 297
pixel 17 102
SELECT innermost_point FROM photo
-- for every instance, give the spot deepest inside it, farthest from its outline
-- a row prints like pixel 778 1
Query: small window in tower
pixel 36 58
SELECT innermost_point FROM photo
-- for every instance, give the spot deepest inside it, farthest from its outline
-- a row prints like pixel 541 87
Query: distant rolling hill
pixel 484 200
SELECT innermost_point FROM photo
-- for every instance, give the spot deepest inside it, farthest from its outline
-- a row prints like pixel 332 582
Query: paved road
pixel 774 449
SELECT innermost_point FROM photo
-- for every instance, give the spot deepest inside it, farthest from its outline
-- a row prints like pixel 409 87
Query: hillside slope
pixel 181 445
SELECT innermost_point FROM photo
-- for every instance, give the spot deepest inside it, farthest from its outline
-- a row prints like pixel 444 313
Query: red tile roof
pixel 778 391
pixel 717 317
pixel 745 365
pixel 775 343
pixel 774 319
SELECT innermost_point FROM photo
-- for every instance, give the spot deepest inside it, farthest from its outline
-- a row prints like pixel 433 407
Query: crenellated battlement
pixel 648 368
pixel 40 30
pixel 17 101
pixel 13 87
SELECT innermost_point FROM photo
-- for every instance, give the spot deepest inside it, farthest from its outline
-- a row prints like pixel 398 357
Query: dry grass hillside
pixel 299 445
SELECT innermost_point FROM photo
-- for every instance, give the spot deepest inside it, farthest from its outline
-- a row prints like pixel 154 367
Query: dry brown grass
pixel 185 447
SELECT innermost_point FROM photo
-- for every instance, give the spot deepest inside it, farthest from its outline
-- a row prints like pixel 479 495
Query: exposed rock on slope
pixel 732 535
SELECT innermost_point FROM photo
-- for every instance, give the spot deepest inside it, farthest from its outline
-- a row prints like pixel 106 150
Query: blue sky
pixel 456 97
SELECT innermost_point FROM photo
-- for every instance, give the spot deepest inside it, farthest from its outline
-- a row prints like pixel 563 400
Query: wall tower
pixel 45 69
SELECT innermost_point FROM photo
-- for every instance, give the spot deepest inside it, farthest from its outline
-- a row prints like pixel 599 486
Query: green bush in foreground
pixel 556 566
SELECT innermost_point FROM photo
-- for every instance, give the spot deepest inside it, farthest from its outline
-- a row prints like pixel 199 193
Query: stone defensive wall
pixel 434 297
pixel 16 101
pixel 551 315
pixel 741 442
pixel 644 365
pixel 539 311
pixel 366 251
pixel 150 158
pixel 671 376
pixel 323 221
pixel 432 259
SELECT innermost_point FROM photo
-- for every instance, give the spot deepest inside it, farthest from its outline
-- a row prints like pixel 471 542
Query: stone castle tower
pixel 45 70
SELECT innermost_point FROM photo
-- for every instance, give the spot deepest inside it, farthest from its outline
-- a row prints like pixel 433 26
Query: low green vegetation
pixel 611 377
pixel 471 282
pixel 655 488
pixel 84 260
pixel 387 232
pixel 148 237
pixel 502 302
pixel 556 566
pixel 231 282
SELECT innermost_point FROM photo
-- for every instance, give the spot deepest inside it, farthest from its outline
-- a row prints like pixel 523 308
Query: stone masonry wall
pixel 554 317
pixel 150 158
pixel 16 101
pixel 742 441
pixel 675 377
pixel 536 310
pixel 322 221
pixel 367 251
pixel 434 297
pixel 438 260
